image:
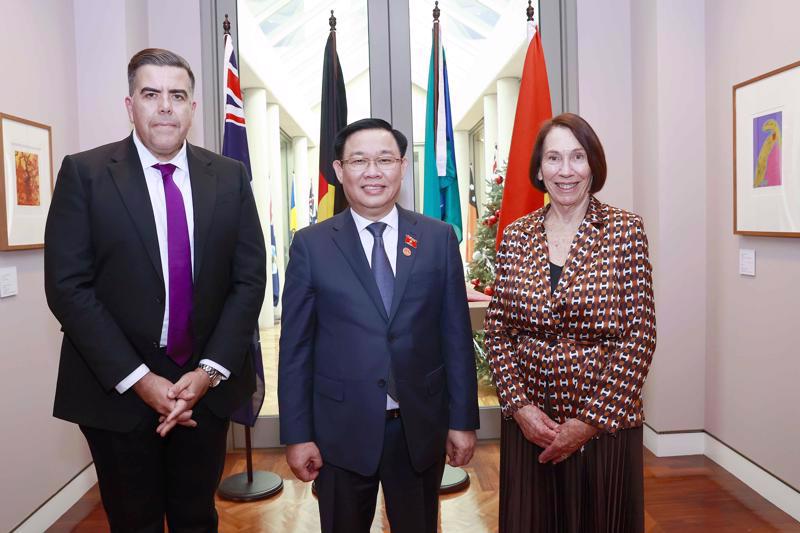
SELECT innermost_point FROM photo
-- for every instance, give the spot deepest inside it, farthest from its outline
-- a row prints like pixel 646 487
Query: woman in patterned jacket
pixel 570 333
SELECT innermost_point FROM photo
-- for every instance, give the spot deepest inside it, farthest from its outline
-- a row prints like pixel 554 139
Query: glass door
pixel 384 48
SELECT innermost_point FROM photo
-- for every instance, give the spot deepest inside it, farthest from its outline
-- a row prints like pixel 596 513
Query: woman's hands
pixel 537 427
pixel 571 435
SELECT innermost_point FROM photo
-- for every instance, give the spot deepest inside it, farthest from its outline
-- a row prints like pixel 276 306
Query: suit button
pixel 381 383
pixel 156 344
pixel 392 338
pixel 158 300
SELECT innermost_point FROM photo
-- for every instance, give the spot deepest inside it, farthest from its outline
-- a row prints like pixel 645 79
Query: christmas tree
pixel 480 269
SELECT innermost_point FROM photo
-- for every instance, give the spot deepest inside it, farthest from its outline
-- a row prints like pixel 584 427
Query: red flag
pixel 533 108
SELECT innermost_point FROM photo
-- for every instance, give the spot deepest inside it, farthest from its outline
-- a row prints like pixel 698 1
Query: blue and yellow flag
pixel 292 211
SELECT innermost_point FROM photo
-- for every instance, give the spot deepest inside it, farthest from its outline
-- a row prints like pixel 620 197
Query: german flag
pixel 333 117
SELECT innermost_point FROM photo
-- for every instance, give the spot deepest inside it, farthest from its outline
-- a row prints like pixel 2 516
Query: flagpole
pixel 250 485
pixel 454 479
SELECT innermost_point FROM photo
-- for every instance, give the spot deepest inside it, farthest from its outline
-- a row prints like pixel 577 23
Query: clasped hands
pixel 173 401
pixel 558 440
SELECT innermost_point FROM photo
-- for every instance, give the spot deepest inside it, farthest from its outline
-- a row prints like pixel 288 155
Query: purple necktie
pixel 179 332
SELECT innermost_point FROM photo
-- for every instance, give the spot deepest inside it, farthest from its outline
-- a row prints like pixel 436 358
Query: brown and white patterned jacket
pixel 582 351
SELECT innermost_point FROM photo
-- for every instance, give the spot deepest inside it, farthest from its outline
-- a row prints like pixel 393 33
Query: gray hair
pixel 158 57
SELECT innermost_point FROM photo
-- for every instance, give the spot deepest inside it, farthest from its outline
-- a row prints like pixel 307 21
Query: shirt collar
pixel 390 219
pixel 148 159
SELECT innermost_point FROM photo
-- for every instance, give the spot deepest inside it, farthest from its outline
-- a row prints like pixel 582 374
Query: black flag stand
pixel 250 485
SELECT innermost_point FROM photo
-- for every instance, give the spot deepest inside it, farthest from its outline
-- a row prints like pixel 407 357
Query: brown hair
pixel 158 57
pixel 586 137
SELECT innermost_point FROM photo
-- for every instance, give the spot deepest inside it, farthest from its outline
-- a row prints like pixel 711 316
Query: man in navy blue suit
pixel 377 378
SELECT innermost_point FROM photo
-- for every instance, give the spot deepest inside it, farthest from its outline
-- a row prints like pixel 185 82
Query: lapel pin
pixel 407 252
pixel 411 241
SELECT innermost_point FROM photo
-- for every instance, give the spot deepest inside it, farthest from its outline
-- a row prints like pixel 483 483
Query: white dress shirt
pixel 389 244
pixel 155 188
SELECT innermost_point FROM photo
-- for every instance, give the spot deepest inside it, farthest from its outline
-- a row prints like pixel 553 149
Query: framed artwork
pixel 27 184
pixel 766 154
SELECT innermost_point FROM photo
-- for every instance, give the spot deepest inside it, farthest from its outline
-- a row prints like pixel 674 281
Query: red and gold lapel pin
pixel 409 241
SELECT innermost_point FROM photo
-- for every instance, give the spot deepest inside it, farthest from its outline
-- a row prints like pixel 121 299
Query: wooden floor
pixel 682 494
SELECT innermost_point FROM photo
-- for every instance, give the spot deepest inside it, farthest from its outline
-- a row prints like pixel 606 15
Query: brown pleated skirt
pixel 599 490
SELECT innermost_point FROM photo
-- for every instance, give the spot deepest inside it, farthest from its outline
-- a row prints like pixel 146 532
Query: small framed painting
pixel 27 173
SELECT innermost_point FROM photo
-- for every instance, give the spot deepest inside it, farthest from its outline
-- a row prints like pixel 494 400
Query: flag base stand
pixel 454 480
pixel 241 488
pixel 250 486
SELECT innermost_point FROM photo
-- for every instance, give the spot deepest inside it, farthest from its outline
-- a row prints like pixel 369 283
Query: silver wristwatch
pixel 214 375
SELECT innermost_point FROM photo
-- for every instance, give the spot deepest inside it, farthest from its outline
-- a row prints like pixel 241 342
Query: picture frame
pixel 766 154
pixel 27 182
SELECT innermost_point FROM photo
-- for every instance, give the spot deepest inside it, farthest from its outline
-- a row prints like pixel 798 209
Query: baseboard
pixel 673 444
pixel 769 486
pixel 59 503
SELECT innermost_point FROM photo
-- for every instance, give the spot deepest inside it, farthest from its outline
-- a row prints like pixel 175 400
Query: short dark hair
pixel 588 140
pixel 367 124
pixel 158 57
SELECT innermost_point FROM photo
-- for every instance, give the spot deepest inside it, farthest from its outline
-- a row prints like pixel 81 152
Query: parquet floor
pixel 682 495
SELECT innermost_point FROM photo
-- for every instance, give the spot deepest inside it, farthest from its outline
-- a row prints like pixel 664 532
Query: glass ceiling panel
pixel 296 30
pixel 477 9
pixel 468 28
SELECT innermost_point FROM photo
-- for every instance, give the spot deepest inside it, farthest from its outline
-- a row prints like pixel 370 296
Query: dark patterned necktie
pixel 384 277
pixel 179 259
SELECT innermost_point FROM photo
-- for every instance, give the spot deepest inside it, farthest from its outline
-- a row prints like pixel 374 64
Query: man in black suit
pixel 377 375
pixel 155 267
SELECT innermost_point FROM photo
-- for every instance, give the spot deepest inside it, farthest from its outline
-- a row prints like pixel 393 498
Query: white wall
pixel 175 25
pixel 655 80
pixel 38 454
pixel 74 81
pixel 753 354
pixel 633 58
pixel 605 90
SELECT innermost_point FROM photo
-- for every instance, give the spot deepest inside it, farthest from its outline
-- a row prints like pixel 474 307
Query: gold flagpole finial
pixel 529 11
pixel 226 25
pixel 332 21
pixel 436 12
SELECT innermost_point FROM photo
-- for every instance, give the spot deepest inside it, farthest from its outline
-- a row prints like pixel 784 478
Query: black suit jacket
pixel 104 280
pixel 337 342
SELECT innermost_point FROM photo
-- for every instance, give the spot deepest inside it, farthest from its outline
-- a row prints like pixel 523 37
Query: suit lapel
pixel 407 225
pixel 345 235
pixel 204 192
pixel 126 171
pixel 586 239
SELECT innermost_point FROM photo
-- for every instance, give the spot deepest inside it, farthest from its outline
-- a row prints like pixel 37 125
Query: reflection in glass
pixel 485 42
pixel 281 45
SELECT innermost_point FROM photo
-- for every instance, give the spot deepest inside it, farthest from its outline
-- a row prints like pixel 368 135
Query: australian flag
pixel 234 145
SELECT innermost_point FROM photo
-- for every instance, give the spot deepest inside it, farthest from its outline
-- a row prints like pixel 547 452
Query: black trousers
pixel 144 477
pixel 347 500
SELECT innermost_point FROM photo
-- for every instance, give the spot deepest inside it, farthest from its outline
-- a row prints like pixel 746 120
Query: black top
pixel 555 275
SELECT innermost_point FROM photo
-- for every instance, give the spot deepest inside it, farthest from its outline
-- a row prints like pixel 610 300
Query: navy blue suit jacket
pixel 337 342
